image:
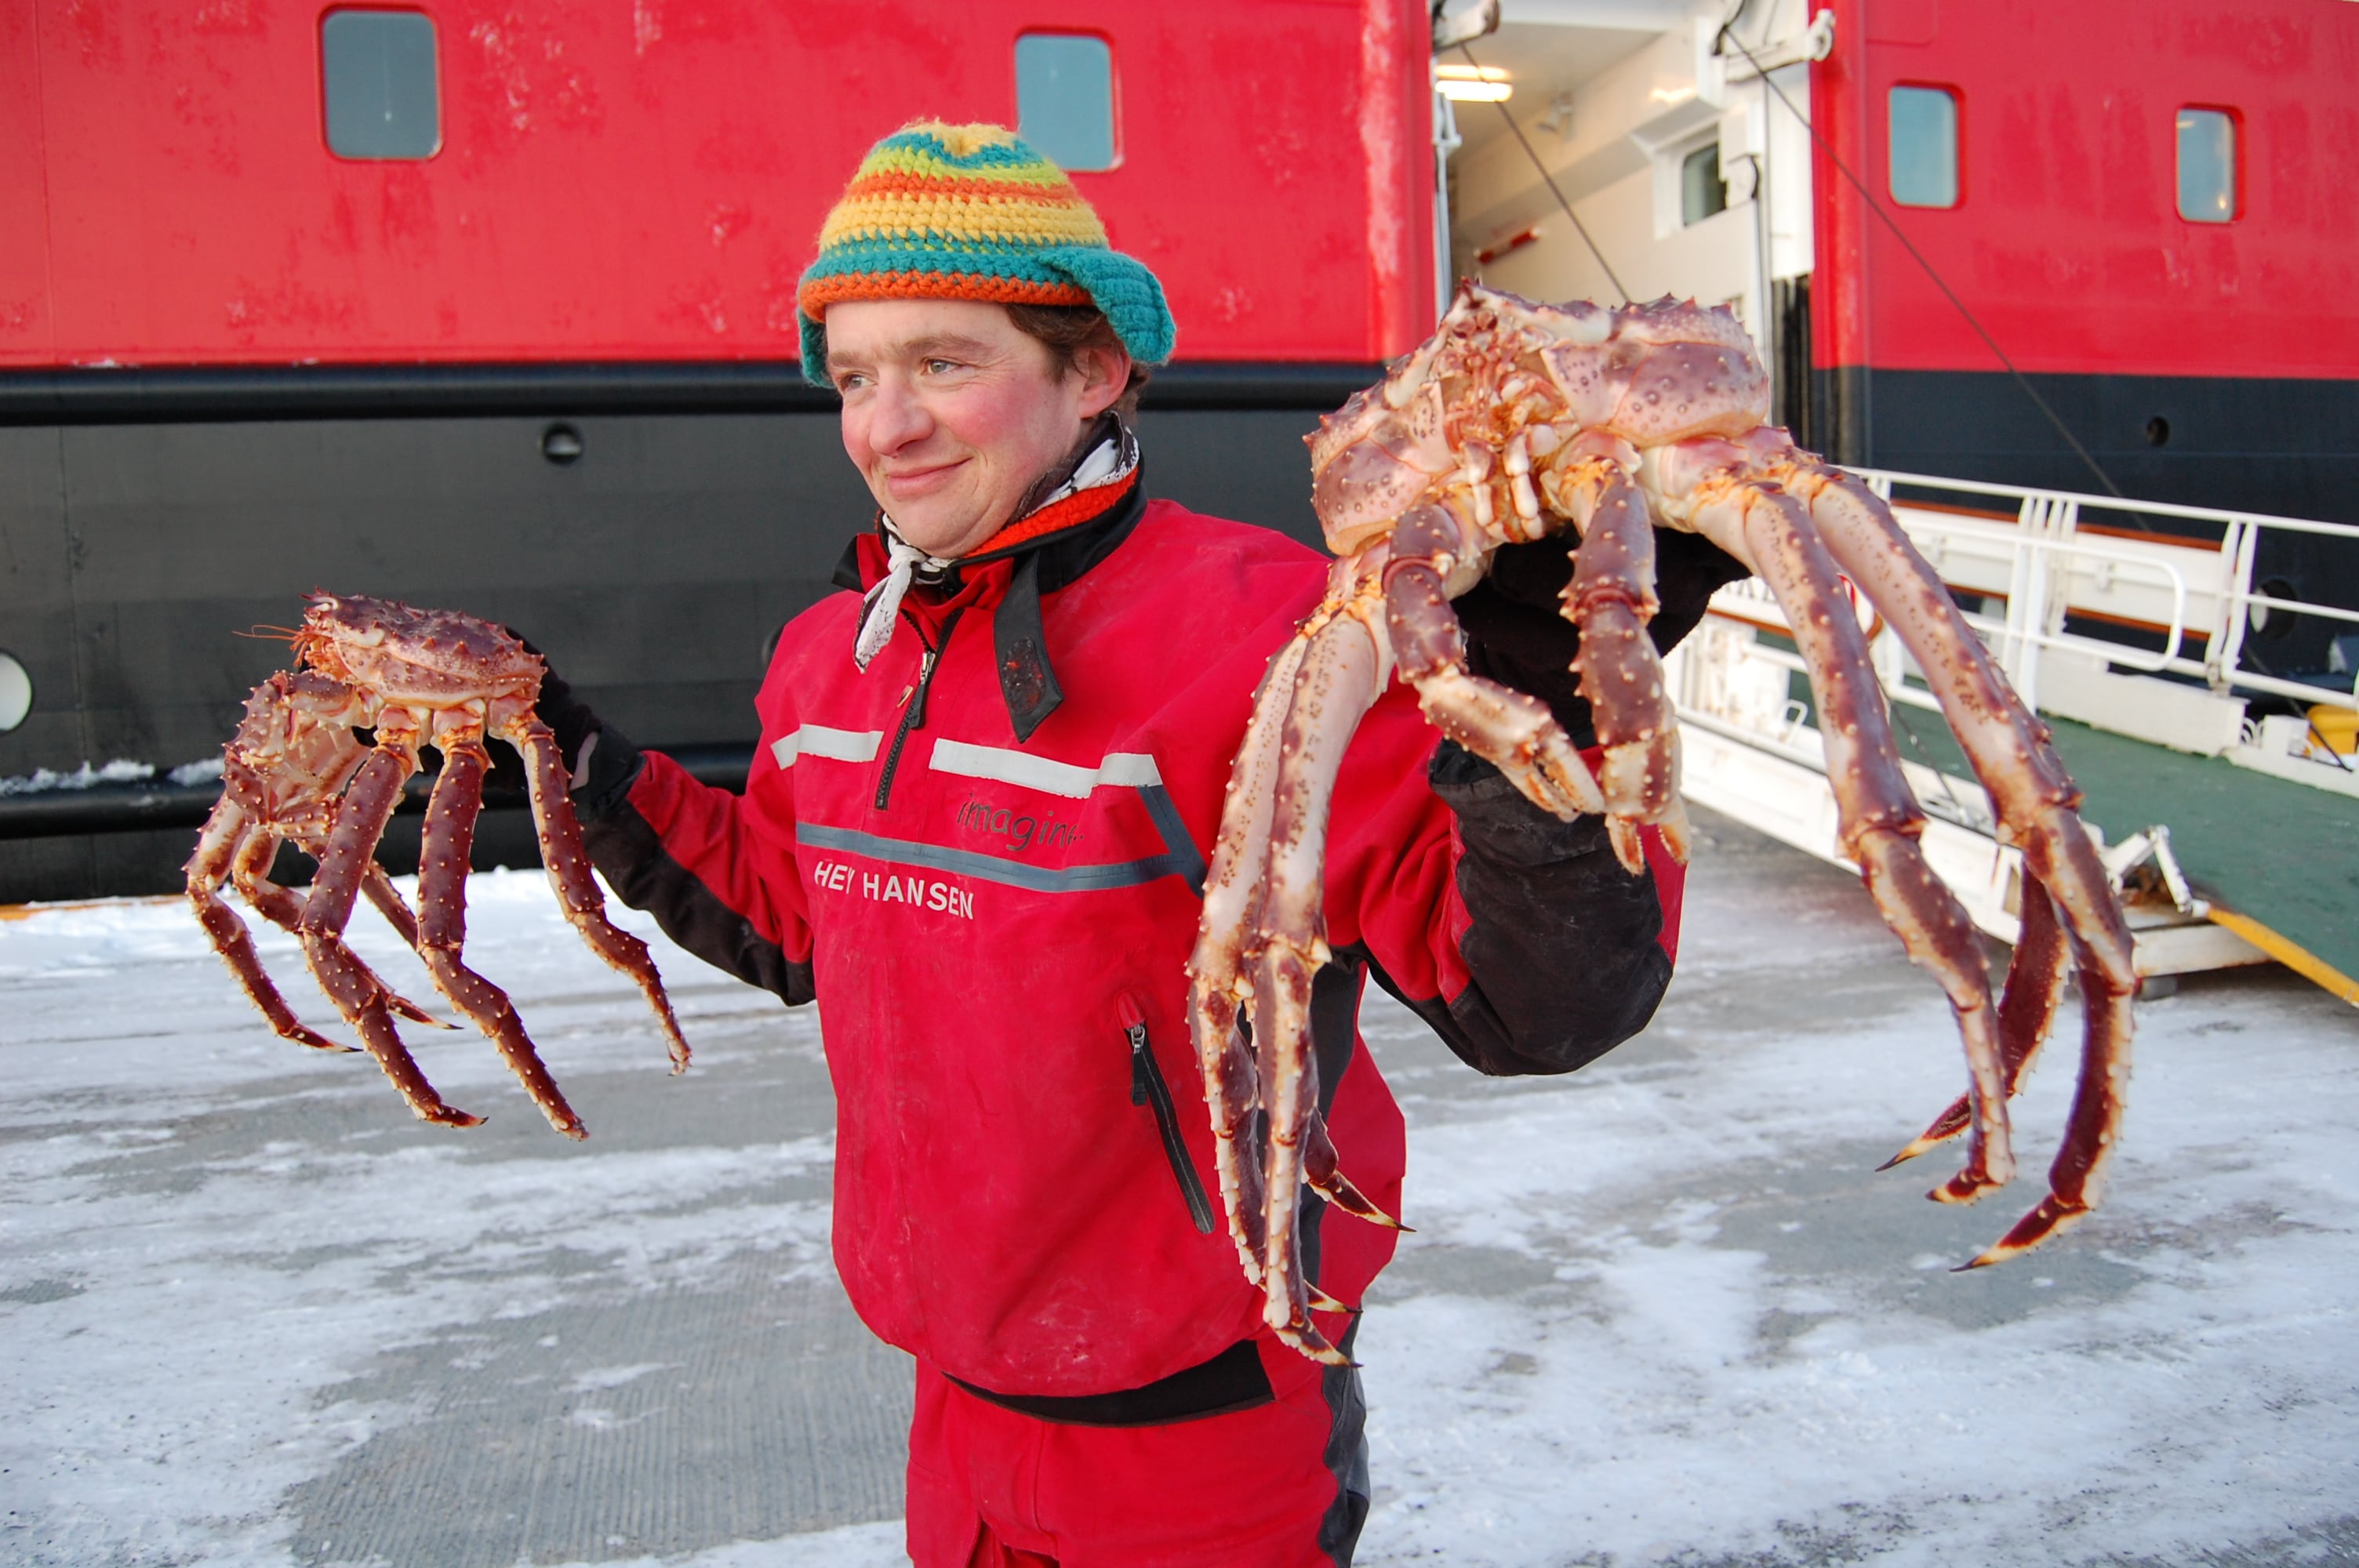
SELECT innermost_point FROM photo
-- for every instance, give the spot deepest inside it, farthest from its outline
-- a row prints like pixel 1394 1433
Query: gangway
pixel 2234 834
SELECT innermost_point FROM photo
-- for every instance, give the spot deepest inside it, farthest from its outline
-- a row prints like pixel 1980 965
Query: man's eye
pixel 940 367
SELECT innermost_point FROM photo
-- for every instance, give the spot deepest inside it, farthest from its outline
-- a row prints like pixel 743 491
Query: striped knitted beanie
pixel 940 212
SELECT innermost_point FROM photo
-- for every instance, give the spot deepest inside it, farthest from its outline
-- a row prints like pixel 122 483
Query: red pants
pixel 1283 1485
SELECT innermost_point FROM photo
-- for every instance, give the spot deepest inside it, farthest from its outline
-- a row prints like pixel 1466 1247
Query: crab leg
pixel 1343 671
pixel 2035 799
pixel 226 833
pixel 368 805
pixel 283 909
pixel 1233 891
pixel 1515 733
pixel 442 924
pixel 380 891
pixel 1879 818
pixel 569 873
pixel 1611 597
pixel 2027 1010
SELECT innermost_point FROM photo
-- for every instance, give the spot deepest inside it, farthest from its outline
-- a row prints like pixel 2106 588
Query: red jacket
pixel 981 916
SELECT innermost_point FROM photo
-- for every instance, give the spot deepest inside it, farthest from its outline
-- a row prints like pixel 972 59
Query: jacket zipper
pixel 1147 1087
pixel 913 712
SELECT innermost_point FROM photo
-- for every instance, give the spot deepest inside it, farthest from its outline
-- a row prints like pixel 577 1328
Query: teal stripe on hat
pixel 1014 155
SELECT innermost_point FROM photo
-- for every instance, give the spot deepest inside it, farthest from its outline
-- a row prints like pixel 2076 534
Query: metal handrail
pixel 2046 526
pixel 2120 555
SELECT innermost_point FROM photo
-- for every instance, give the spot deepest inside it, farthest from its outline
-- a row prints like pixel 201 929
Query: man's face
pixel 951 413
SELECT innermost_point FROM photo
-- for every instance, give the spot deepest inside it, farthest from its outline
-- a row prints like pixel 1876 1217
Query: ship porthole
pixel 561 443
pixel 2268 620
pixel 15 692
pixel 2157 431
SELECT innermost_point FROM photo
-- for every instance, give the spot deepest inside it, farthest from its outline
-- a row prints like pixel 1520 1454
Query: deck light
pixel 1473 84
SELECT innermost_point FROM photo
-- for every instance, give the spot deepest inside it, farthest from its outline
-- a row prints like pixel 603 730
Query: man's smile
pixel 923 479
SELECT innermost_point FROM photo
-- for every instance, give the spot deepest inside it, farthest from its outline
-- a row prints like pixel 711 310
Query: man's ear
pixel 1105 369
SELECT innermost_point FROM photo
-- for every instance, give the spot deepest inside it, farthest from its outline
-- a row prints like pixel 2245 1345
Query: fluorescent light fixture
pixel 1473 84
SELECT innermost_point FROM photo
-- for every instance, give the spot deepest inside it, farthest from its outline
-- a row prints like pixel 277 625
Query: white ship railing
pixel 1752 753
pixel 2162 584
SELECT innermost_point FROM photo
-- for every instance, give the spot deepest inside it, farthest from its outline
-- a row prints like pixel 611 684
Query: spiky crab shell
pixel 433 658
pixel 1653 373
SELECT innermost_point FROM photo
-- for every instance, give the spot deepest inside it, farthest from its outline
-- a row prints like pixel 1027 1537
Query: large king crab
pixel 1514 421
pixel 295 772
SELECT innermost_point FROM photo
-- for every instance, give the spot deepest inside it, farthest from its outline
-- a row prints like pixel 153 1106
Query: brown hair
pixel 1065 330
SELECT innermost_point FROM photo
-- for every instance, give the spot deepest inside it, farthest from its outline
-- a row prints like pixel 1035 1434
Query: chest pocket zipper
pixel 1148 1088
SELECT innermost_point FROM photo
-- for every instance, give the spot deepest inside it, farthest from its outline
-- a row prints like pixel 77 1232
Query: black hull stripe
pixel 2278 445
pixel 175 394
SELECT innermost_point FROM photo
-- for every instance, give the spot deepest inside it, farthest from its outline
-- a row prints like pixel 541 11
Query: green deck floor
pixel 2278 852
pixel 2274 851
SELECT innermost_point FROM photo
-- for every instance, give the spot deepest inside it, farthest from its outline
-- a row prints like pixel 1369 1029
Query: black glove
pixel 598 758
pixel 1516 633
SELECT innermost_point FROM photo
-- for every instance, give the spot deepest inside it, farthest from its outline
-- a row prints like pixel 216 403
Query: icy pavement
pixel 1660 1311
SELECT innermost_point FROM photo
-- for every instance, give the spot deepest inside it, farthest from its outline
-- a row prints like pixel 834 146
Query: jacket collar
pixel 1036 555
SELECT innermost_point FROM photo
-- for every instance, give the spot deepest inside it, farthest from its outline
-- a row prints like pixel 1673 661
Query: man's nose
pixel 895 418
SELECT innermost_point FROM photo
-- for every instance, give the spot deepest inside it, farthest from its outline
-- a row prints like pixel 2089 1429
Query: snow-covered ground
pixel 1660 1311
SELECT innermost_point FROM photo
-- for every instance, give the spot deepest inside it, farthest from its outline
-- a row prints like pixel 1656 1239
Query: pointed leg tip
pixel 1963 1188
pixel 1311 1344
pixel 1903 1157
pixel 450 1117
pixel 2052 1216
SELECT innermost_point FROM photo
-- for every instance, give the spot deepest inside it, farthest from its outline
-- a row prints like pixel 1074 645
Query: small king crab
pixel 1515 421
pixel 295 772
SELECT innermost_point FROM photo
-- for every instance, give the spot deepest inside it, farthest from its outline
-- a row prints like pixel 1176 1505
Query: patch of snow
pixel 1749 1353
pixel 854 1546
pixel 196 773
pixel 42 779
pixel 601 1377
pixel 1660 1310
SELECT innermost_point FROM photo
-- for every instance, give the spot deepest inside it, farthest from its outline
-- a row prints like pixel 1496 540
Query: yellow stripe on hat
pixel 959 220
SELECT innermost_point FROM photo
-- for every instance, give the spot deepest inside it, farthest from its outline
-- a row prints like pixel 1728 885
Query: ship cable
pixel 1508 115
pixel 1918 256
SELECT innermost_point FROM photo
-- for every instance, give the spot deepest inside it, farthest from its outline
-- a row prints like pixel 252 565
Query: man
pixel 977 826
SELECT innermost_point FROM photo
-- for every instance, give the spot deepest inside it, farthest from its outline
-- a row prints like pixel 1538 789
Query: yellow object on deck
pixel 2338 727
pixel 2300 960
